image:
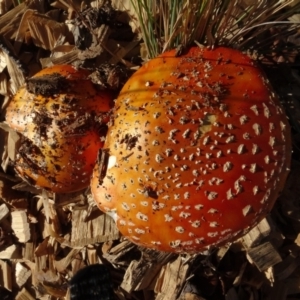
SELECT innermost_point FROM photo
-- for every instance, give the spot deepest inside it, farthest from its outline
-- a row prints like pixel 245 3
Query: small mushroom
pixel 62 117
pixel 211 151
pixel 92 282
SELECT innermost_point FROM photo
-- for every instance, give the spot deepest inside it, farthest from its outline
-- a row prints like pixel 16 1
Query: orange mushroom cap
pixel 197 153
pixel 62 116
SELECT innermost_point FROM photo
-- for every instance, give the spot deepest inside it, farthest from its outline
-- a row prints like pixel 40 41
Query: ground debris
pixel 46 238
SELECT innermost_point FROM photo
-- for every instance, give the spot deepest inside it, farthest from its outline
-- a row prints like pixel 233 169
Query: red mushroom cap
pixel 198 151
pixel 62 116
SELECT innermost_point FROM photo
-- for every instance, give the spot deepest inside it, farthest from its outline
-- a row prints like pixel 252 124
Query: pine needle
pixel 167 24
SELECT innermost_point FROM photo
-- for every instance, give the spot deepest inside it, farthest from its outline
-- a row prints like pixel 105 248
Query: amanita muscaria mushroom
pixel 197 152
pixel 62 116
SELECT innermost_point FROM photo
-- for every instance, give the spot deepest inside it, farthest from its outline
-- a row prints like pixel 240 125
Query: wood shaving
pixel 46 238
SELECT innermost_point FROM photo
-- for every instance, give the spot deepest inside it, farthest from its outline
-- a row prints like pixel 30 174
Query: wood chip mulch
pixel 46 238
